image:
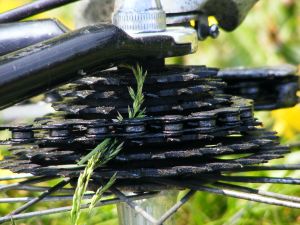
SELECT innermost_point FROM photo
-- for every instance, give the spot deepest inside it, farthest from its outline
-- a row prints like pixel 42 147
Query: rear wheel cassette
pixel 191 129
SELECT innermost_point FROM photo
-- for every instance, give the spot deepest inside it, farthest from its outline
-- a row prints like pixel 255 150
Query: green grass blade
pixel 100 147
pixel 98 195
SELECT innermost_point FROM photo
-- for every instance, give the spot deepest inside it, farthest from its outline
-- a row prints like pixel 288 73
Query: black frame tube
pixel 32 9
pixel 41 67
pixel 18 35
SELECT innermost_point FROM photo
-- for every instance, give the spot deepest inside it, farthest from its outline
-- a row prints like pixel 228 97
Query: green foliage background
pixel 269 36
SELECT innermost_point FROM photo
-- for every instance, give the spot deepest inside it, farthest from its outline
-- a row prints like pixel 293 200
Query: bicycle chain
pixel 269 87
pixel 176 139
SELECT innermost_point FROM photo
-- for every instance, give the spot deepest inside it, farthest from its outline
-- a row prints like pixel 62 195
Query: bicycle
pixel 130 46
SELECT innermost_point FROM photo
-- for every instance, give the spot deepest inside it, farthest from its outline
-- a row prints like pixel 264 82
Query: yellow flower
pixel 7 5
pixel 287 121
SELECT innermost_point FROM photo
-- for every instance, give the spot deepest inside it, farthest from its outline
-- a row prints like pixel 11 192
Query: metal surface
pixel 192 136
pixel 142 19
pixel 41 67
pixel 14 36
pixel 155 207
pixel 135 16
pixel 183 138
pixel 176 146
pixel 269 87
pixel 180 35
pixel 230 13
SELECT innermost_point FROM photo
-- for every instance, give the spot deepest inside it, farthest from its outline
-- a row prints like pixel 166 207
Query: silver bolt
pixel 214 31
pixel 139 16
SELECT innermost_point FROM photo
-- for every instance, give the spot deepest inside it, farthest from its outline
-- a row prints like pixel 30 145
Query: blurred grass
pixel 269 36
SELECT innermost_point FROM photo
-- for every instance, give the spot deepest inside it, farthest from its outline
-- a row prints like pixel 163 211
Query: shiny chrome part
pixel 136 16
pixel 155 207
pixel 147 19
pixel 18 35
pixel 181 35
